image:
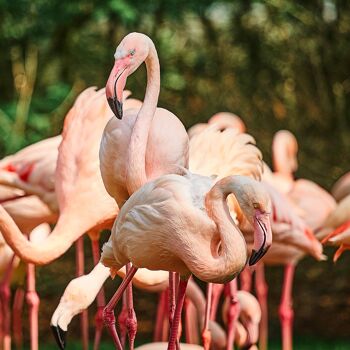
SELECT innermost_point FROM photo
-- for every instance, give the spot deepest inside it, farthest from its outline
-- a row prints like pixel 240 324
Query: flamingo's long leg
pixel 5 295
pixel 131 321
pixel 261 293
pixel 100 299
pixel 191 323
pixel 161 311
pixel 33 302
pixel 217 291
pixel 206 335
pixel 17 317
pixel 84 317
pixel 122 320
pixel 177 315
pixel 286 310
pixel 172 293
pixel 245 278
pixel 232 313
pixel 165 325
pixel 108 312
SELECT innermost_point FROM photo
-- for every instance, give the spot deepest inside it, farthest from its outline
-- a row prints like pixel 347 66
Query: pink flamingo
pixel 78 184
pixel 304 196
pixel 204 240
pixel 130 152
pixel 227 151
pixel 24 169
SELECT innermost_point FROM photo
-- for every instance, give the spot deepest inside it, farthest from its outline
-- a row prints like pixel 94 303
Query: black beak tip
pixel 60 336
pixel 116 107
pixel 257 255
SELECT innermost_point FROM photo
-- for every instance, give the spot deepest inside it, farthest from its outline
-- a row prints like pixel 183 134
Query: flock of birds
pixel 178 204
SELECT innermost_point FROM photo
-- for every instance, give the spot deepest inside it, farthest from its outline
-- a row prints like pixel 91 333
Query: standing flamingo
pixel 146 143
pixel 303 196
pixel 203 240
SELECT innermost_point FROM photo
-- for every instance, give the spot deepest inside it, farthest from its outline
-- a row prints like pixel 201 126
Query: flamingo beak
pixel 262 237
pixel 115 86
pixel 60 336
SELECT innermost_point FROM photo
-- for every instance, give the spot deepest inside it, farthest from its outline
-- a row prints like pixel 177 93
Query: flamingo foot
pixel 60 336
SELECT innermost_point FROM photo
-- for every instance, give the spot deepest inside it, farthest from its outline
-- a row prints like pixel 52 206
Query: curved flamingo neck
pixel 217 208
pixel 284 149
pixel 136 169
pixel 52 247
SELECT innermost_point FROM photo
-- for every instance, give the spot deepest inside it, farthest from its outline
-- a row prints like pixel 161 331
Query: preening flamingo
pixel 199 237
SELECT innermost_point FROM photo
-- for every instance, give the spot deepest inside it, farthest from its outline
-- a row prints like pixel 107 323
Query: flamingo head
pixel 255 204
pixel 129 55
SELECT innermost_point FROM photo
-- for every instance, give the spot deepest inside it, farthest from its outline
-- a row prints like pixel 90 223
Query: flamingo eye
pixel 132 52
pixel 256 205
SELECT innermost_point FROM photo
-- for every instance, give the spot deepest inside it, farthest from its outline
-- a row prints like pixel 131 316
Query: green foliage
pixel 277 63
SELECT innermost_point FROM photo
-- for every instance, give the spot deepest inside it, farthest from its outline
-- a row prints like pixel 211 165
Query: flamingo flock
pixel 183 207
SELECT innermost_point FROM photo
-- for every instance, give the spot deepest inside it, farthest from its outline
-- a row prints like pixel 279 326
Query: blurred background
pixel 278 64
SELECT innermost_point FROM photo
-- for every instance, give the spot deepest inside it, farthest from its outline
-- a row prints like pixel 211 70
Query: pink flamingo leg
pixel 84 318
pixel 206 335
pixel 100 299
pixel 177 315
pixel 161 311
pixel 172 292
pixel 232 313
pixel 165 326
pixel 191 323
pixel 122 320
pixel 261 292
pixel 17 317
pixel 286 310
pixel 5 295
pixel 245 277
pixel 33 302
pixel 131 321
pixel 217 290
pixel 108 314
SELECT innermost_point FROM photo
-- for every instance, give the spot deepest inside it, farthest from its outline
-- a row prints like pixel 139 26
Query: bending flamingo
pixel 204 240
